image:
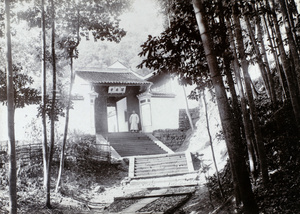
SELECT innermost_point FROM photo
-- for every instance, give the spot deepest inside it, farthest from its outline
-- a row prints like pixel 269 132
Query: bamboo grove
pixel 59 23
pixel 208 43
pixel 213 43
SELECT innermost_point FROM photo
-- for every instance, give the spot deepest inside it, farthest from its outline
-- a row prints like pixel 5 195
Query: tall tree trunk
pixel 245 115
pixel 266 62
pixel 291 41
pixel 292 84
pixel 44 95
pixel 235 103
pixel 52 117
pixel 274 53
pixel 227 69
pixel 62 155
pixel 72 77
pixel 187 109
pixel 247 80
pixel 258 55
pixel 236 110
pixel 290 17
pixel 211 145
pixel 12 173
pixel 232 136
pixel 237 117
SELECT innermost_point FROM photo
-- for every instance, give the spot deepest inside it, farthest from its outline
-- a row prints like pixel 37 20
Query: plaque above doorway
pixel 116 89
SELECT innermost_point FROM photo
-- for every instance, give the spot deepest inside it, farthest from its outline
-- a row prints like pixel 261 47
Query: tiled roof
pixel 162 94
pixel 111 76
pixel 157 94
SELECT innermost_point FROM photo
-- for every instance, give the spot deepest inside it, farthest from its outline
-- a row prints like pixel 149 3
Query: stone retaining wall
pixel 172 138
pixel 184 123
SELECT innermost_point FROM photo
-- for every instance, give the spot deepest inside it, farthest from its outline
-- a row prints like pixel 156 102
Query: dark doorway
pixel 117 118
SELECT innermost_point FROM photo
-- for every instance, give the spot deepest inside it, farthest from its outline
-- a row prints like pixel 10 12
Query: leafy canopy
pixel 179 50
pixel 23 93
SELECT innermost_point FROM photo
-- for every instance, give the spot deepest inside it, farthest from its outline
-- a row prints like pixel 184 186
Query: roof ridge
pixel 111 77
pixel 116 64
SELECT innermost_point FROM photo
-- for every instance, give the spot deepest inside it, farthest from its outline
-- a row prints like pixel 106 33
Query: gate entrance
pixel 117 115
pixel 122 115
pixel 117 88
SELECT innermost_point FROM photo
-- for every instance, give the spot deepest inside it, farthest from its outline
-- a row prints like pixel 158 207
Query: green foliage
pixel 23 93
pixel 58 109
pixel 73 20
pixel 264 108
pixel 278 121
pixel 80 184
pixel 226 182
pixel 33 130
pixel 79 146
pixel 2 14
pixel 282 194
pixel 60 104
pixel 282 147
pixel 179 48
pixel 98 17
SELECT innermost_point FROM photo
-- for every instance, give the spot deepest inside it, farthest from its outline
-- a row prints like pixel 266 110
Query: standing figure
pixel 134 122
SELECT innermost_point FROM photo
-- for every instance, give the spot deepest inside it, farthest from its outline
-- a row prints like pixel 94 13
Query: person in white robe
pixel 134 122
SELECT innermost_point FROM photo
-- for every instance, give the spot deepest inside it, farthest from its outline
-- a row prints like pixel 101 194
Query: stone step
pixel 133 144
pixel 125 153
pixel 186 179
pixel 137 149
pixel 130 139
pixel 159 165
pixel 124 135
pixel 156 161
pixel 165 172
pixel 128 154
pixel 159 168
pixel 163 167
pixel 164 157
pixel 150 162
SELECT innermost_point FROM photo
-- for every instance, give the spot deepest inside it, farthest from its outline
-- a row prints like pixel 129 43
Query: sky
pixel 141 20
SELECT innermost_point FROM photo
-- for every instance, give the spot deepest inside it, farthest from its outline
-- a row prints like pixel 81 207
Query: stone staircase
pixel 152 167
pixel 160 165
pixel 151 163
pixel 133 144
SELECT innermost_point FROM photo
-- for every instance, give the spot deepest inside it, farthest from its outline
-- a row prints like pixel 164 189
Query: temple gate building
pixel 104 99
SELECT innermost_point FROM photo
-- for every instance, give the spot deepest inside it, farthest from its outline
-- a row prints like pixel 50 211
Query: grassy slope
pixel 282 195
pixel 81 182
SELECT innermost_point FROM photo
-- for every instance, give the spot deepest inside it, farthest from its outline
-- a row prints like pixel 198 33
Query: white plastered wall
pixel 82 116
pixel 165 113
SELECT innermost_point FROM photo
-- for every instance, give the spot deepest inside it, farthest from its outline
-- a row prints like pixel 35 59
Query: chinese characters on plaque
pixel 116 89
